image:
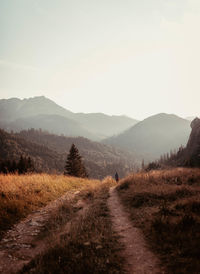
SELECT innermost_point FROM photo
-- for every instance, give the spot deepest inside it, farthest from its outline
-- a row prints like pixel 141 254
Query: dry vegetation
pixel 166 206
pixel 90 246
pixel 20 195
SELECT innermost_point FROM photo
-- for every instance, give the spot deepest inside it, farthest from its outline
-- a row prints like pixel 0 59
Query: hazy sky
pixel 133 57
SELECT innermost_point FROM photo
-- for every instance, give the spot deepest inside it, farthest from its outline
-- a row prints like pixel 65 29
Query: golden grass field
pixel 165 205
pixel 22 194
pixel 89 245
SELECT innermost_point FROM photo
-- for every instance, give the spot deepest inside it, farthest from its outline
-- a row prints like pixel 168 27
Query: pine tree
pixel 30 165
pixel 74 165
pixel 13 166
pixel 21 165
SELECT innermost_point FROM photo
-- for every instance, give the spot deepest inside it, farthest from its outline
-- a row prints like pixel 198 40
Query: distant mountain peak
pixel 17 114
pixel 163 115
pixel 153 136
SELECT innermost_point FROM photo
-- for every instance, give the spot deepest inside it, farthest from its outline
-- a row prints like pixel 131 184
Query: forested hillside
pixel 49 153
pixel 189 155
pixel 45 159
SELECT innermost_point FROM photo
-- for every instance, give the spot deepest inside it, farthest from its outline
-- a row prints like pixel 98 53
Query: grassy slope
pixel 166 206
pixel 20 195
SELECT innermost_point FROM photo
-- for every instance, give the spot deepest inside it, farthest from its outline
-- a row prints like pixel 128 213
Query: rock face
pixel 193 145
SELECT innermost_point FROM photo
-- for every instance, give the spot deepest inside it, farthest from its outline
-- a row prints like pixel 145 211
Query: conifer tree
pixel 74 165
pixel 30 165
pixel 22 165
pixel 13 167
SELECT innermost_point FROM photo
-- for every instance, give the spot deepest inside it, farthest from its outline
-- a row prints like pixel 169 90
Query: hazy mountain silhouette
pixel 53 123
pixel 14 108
pixel 105 125
pixel 19 114
pixel 154 136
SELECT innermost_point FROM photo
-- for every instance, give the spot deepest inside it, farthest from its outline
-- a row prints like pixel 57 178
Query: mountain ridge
pixel 153 136
pixel 92 125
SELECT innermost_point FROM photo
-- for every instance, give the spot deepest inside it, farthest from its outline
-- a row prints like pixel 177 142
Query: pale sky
pixel 133 57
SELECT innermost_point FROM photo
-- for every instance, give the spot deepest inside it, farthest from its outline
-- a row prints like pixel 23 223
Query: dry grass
pixel 90 246
pixel 166 206
pixel 68 210
pixel 21 195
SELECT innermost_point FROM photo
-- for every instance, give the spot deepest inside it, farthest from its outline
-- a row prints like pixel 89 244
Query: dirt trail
pixel 139 259
pixel 21 244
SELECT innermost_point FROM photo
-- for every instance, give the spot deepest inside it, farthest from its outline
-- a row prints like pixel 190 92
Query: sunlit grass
pixel 20 195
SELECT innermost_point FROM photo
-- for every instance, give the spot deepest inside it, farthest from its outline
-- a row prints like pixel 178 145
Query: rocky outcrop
pixel 192 150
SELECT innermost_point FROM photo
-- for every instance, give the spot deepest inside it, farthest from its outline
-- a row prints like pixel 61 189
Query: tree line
pixel 73 167
pixel 174 158
pixel 22 166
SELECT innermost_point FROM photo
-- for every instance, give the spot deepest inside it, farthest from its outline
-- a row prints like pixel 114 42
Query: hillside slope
pixel 49 153
pixel 154 136
pixel 190 155
pixel 45 159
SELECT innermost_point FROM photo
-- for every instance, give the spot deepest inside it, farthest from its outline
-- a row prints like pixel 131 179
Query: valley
pixel 53 221
pixel 99 137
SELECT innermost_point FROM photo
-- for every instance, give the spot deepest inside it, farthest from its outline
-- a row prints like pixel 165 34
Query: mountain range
pixel 153 136
pixel 146 139
pixel 41 112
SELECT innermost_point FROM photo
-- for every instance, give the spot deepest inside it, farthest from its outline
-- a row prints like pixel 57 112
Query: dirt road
pixel 139 259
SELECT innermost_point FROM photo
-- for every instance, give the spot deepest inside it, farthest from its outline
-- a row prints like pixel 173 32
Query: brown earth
pixel 139 259
pixel 22 243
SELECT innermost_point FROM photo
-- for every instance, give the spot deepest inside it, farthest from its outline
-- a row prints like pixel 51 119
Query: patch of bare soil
pixel 139 259
pixel 21 244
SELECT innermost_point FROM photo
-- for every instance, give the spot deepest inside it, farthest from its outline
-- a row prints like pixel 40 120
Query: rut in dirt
pixel 139 259
pixel 20 244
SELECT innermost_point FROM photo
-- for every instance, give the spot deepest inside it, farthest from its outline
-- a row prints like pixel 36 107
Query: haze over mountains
pixel 154 136
pixel 147 139
pixel 41 112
